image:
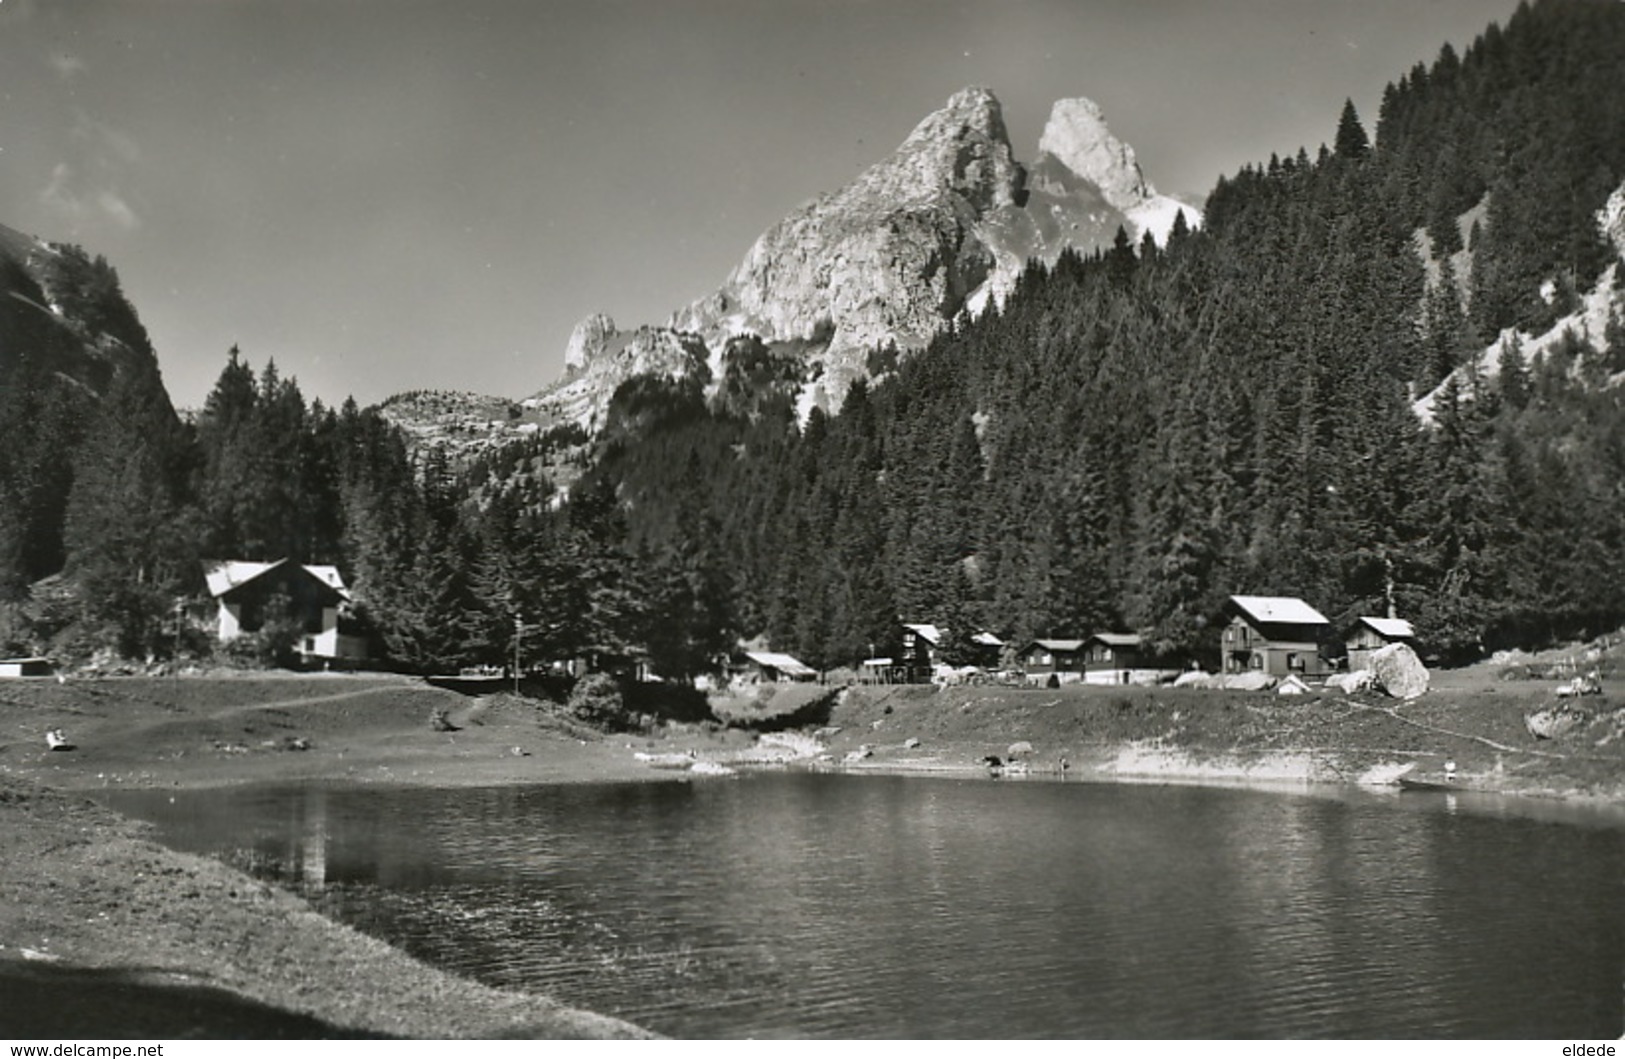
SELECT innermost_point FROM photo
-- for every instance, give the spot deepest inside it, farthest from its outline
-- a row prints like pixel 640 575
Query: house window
pixel 1255 660
pixel 1294 662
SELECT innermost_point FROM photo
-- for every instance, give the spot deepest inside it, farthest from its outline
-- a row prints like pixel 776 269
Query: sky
pixel 387 195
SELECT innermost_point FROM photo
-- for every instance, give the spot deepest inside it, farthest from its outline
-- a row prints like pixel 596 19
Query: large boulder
pixel 1396 670
pixel 1252 680
pixel 1193 678
pixel 1553 722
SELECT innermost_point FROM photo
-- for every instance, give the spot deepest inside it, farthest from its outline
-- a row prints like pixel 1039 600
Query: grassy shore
pixel 105 933
pixel 1218 736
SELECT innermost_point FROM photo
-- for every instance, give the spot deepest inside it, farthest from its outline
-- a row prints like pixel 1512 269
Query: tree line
pixel 1140 432
pixel 1134 435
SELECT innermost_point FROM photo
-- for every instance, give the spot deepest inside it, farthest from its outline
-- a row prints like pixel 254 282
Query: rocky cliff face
pixel 1601 305
pixel 64 311
pixel 941 227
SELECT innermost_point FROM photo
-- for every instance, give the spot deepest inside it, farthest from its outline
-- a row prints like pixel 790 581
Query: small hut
pixel 773 667
pixel 1372 634
pixel 25 667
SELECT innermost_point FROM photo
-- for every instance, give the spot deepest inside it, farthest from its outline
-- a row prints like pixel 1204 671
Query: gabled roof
pixel 1392 628
pixel 224 576
pixel 328 575
pixel 1057 645
pixel 1117 639
pixel 928 633
pixel 782 662
pixel 932 634
pixel 1283 610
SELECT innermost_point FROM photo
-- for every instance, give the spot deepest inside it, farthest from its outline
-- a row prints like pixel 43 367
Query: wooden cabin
pixel 1116 658
pixel 1061 659
pixel 922 649
pixel 773 667
pixel 1275 635
pixel 1372 634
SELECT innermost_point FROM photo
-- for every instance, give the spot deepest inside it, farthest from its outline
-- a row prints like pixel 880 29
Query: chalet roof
pixel 224 576
pixel 782 662
pixel 1117 639
pixel 328 575
pixel 1057 645
pixel 928 633
pixel 1391 628
pixel 1283 610
pixel 932 634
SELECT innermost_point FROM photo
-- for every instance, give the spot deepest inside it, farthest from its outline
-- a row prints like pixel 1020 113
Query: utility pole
pixel 518 634
pixel 175 661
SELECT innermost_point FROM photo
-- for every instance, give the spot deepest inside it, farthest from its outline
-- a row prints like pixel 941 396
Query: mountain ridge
pixel 942 226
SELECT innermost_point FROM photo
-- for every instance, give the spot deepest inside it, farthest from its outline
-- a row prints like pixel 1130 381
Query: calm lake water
pixel 839 906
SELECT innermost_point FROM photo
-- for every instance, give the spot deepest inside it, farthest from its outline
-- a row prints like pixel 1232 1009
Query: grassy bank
pixel 105 934
pixel 1470 717
pixel 239 728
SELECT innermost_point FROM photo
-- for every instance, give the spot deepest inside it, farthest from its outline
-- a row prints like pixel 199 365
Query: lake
pixel 815 905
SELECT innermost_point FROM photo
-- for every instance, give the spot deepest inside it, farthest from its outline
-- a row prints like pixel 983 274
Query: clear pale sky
pixel 386 195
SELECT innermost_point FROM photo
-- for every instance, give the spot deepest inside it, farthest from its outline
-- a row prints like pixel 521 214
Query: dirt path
pixel 315 700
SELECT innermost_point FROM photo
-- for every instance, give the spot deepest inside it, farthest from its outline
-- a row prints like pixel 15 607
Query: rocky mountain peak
pixel 1076 136
pixel 943 225
pixel 587 338
pixel 962 148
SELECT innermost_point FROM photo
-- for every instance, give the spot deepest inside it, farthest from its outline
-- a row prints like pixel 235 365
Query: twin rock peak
pixel 942 226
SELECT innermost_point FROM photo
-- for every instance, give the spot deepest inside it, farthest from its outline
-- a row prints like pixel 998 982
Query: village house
pixel 1275 635
pixel 1372 634
pixel 922 649
pixel 1061 659
pixel 1116 658
pixel 247 593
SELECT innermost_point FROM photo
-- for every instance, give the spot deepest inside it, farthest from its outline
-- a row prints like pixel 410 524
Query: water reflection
pixel 877 906
pixel 312 833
